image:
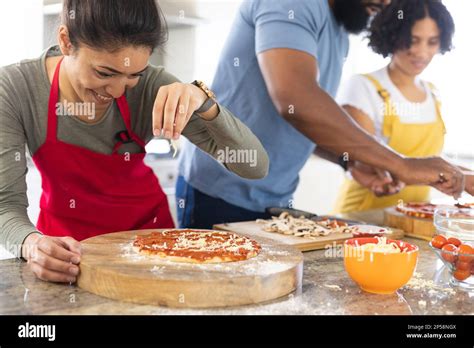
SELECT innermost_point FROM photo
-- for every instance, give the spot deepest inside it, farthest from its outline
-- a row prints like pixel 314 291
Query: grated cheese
pixel 382 246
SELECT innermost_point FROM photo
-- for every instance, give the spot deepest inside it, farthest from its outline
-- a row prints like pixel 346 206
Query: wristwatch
pixel 211 97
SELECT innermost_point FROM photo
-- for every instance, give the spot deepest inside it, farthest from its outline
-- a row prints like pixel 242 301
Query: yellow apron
pixel 409 139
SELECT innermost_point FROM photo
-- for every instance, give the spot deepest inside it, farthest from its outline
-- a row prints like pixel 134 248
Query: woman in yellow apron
pixel 393 103
pixel 411 140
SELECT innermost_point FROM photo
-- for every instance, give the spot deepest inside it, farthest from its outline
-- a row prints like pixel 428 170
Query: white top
pixel 362 94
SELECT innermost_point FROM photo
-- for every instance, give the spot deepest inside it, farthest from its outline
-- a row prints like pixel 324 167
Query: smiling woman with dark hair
pixel 394 104
pixel 86 109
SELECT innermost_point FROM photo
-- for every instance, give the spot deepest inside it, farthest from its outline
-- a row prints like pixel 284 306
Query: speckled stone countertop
pixel 326 289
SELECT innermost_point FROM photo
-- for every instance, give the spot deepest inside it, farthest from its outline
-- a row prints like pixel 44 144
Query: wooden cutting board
pixel 254 230
pixel 413 227
pixel 111 268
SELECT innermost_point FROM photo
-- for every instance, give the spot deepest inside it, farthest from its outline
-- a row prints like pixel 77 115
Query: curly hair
pixel 390 30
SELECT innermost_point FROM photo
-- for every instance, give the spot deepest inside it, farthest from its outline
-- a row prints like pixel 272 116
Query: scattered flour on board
pixel 261 264
pixel 333 287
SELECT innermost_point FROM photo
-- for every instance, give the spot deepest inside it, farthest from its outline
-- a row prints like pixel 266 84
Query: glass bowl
pixel 456 223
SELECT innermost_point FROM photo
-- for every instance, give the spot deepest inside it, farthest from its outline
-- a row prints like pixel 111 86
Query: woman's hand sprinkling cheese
pixel 174 106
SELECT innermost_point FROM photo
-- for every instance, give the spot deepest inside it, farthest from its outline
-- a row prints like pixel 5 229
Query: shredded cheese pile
pixel 211 241
pixel 382 246
pixel 417 282
pixel 195 241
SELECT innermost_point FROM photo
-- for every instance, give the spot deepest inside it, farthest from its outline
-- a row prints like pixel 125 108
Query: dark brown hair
pixel 112 24
pixel 389 33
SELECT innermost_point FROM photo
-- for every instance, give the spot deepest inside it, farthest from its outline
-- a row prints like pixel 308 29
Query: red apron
pixel 86 193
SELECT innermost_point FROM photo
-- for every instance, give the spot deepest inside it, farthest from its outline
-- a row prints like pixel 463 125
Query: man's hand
pixel 380 182
pixel 433 171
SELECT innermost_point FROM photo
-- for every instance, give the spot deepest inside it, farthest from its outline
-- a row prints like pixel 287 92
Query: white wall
pixel 21 30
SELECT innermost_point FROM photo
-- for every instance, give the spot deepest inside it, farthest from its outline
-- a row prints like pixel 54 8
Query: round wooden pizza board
pixel 414 227
pixel 110 267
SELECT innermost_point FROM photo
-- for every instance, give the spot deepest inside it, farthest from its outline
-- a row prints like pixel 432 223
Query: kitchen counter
pixel 327 289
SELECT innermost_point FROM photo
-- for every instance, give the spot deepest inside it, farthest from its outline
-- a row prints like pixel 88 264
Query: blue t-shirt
pixel 304 25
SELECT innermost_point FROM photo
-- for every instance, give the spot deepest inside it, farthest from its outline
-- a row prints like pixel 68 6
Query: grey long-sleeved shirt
pixel 24 93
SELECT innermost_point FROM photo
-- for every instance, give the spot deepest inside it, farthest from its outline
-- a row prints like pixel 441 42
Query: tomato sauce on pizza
pixel 425 210
pixel 419 210
pixel 197 246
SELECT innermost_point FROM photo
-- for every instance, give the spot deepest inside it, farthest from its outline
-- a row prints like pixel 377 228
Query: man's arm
pixel 290 77
pixel 325 154
pixel 380 182
pixel 363 121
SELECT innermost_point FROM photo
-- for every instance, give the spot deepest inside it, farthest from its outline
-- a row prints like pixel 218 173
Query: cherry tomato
pixel 463 265
pixel 467 253
pixel 461 274
pixel 449 253
pixel 438 241
pixel 454 241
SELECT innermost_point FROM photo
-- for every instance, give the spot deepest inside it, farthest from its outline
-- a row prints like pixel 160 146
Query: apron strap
pixel 435 94
pixel 52 124
pixel 389 109
pixel 127 136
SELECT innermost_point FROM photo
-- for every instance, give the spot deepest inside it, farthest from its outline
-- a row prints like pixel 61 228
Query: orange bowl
pixel 378 272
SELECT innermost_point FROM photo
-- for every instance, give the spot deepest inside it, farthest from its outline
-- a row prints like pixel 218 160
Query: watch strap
pixel 209 103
